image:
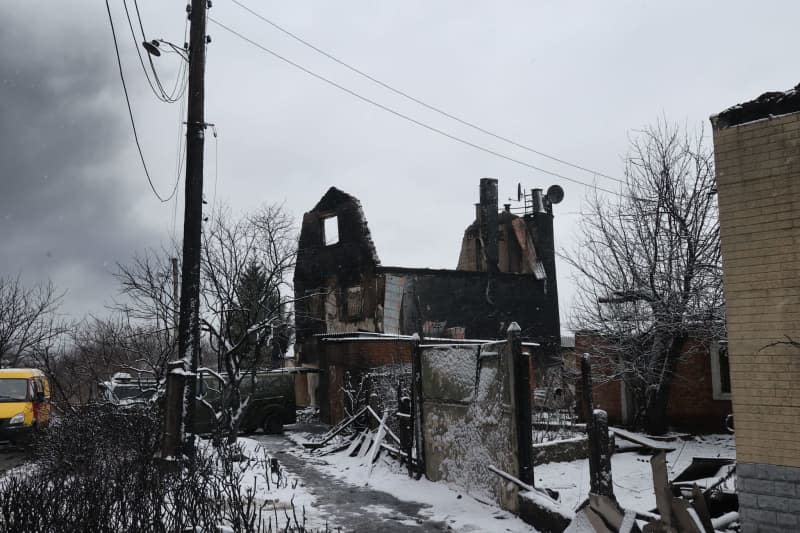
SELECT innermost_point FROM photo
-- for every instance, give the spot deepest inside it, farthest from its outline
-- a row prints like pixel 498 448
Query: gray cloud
pixel 65 208
pixel 572 79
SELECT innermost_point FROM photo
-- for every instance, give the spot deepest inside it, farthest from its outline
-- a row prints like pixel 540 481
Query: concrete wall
pixel 768 497
pixel 468 418
pixel 758 179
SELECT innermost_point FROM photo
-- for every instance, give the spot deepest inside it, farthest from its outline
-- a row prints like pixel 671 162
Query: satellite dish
pixel 555 194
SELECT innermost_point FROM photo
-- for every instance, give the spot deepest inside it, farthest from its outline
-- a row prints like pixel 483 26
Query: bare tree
pixel 239 321
pixel 649 268
pixel 91 353
pixel 28 321
pixel 146 313
pixel 244 329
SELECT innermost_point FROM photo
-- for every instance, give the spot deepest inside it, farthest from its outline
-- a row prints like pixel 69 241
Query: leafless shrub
pixel 554 405
pixel 96 472
pixel 28 321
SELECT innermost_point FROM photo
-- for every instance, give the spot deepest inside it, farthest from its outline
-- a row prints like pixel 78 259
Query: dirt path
pixel 353 508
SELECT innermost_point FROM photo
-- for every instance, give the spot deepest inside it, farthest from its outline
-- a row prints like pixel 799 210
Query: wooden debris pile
pixel 375 439
pixel 682 506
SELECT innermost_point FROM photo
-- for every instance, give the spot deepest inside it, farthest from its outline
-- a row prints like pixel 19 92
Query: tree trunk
pixel 656 421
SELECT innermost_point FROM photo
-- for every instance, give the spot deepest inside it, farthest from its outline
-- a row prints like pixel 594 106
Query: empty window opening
pixel 724 369
pixel 331 230
pixel 720 371
pixel 354 303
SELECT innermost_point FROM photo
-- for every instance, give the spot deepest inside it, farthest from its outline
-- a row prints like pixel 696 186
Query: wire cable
pixel 175 95
pixel 151 74
pixel 130 112
pixel 417 100
pixel 179 163
pixel 407 117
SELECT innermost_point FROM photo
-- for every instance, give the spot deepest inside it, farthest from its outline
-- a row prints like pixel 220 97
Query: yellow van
pixel 24 402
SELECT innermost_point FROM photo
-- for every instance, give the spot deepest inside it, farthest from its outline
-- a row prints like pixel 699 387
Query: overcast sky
pixel 572 79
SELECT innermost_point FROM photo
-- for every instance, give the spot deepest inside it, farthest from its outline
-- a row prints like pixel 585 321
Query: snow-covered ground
pixel 631 471
pixel 284 495
pixel 451 505
pixel 448 504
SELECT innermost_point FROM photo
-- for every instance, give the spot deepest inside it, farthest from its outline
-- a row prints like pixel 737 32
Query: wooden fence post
pixel 172 432
pixel 601 482
pixel 416 405
pixel 522 403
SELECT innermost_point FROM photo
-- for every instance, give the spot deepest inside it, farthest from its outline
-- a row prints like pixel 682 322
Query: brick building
pixel 757 150
pixel 506 273
pixel 700 394
pixel 386 358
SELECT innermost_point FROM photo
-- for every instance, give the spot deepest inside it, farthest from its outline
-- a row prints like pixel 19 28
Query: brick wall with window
pixel 694 402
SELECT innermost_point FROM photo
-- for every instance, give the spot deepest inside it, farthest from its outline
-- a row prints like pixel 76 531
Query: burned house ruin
pixel 506 273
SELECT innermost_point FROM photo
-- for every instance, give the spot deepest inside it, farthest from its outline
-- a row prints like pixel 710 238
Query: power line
pixel 407 117
pixel 152 74
pixel 130 112
pixel 418 101
pixel 180 80
pixel 178 163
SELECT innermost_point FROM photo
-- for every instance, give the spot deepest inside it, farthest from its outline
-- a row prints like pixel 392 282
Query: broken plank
pixel 376 445
pixel 607 508
pixel 388 430
pixel 641 439
pixel 628 524
pixel 700 505
pixel 365 445
pixel 357 440
pixel 335 449
pixel 512 479
pixel 661 486
pixel 335 431
pixel 596 521
pixel 686 517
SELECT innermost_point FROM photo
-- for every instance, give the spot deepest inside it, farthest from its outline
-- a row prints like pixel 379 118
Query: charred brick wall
pixel 328 275
pixel 357 356
pixel 482 303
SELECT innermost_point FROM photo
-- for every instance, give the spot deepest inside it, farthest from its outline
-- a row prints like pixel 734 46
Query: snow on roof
pixel 767 105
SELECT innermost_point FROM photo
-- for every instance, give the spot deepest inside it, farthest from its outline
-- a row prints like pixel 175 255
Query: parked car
pixel 24 402
pixel 123 389
pixel 270 406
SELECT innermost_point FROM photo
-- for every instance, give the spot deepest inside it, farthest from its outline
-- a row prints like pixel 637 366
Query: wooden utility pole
pixel 189 319
pixel 175 295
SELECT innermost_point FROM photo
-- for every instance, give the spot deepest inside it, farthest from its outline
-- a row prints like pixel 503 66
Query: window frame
pixel 716 378
pixel 326 225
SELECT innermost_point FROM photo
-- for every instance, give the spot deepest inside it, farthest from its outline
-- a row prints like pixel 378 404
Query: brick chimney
pixel 488 222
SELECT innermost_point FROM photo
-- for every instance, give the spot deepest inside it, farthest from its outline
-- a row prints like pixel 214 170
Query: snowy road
pixel 353 508
pixel 343 491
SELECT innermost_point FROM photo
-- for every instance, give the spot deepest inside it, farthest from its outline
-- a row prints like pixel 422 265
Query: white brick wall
pixel 758 178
